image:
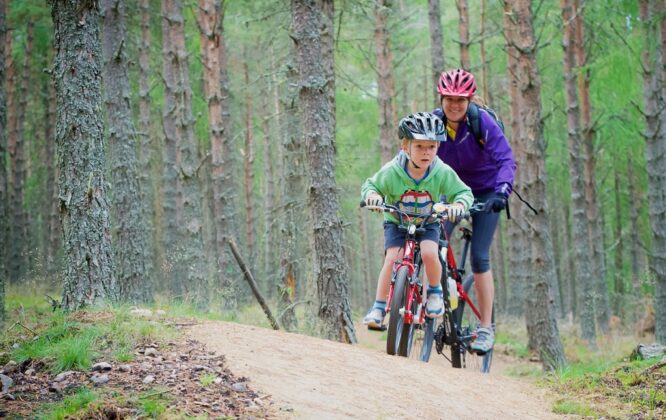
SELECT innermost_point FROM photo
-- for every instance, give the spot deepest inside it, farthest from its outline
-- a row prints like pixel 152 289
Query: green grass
pixel 154 404
pixel 207 379
pixel 71 405
pixel 573 407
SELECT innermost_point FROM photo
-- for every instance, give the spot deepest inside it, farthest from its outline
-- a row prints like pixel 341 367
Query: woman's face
pixel 455 107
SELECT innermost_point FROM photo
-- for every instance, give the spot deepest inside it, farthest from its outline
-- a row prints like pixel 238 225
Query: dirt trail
pixel 313 378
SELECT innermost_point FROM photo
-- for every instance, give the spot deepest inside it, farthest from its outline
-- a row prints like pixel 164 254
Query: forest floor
pixel 308 377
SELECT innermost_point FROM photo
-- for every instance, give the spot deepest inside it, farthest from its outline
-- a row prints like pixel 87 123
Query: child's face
pixel 423 152
pixel 455 107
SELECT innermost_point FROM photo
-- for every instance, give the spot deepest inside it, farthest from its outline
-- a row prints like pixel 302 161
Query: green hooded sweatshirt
pixel 399 189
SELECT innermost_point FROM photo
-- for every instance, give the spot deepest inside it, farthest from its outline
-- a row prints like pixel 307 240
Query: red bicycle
pixel 456 327
pixel 408 327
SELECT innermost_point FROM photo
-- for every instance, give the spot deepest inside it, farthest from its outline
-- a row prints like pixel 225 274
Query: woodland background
pixel 207 121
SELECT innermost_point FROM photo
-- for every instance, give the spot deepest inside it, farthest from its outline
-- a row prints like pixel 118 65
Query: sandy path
pixel 313 378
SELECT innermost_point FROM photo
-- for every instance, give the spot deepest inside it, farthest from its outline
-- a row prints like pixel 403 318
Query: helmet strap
pixel 409 156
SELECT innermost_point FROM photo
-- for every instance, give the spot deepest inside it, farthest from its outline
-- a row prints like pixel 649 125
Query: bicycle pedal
pixel 479 352
pixel 380 328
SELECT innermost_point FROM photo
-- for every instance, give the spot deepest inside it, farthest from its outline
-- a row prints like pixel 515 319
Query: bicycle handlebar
pixel 477 207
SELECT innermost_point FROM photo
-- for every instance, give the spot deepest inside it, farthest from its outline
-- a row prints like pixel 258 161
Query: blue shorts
pixel 393 237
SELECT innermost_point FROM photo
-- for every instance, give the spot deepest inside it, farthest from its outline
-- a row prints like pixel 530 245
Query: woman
pixel 487 166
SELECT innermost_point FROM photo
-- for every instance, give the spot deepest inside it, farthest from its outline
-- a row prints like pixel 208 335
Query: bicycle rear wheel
pixel 467 321
pixel 396 317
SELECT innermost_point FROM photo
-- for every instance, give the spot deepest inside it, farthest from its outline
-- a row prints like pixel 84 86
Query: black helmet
pixel 421 126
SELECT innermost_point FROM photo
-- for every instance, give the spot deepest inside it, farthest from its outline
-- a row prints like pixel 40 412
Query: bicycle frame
pixel 408 260
pixel 457 273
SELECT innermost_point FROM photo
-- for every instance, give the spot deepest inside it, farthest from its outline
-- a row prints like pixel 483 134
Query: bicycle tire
pixel 417 339
pixel 429 328
pixel 396 320
pixel 408 330
pixel 486 359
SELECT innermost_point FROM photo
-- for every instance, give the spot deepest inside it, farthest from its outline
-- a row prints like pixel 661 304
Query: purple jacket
pixel 486 169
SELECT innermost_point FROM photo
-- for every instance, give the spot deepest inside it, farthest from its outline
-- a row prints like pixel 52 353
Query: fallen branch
pixel 253 284
pixel 21 325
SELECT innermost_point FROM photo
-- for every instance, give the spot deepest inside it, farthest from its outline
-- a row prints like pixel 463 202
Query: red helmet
pixel 457 82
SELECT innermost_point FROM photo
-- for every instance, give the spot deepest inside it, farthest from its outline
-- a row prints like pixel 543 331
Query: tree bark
pixel 4 196
pixel 20 238
pixel 147 148
pixel 463 31
pixel 269 201
pixel 583 249
pixel 637 253
pixel 517 254
pixel 655 156
pixel 10 74
pixel 222 153
pixel 539 310
pixel 248 163
pixel 592 207
pixel 385 83
pixel 618 251
pixel 334 311
pixel 84 209
pixel 128 209
pixel 179 137
pixel 53 232
pixel 436 45
pixel 292 203
pixel 486 91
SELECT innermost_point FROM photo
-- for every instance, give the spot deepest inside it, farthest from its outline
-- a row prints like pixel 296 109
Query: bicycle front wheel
pixel 418 338
pixel 467 320
pixel 396 317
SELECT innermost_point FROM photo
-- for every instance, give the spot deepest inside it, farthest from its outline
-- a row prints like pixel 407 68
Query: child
pixel 414 179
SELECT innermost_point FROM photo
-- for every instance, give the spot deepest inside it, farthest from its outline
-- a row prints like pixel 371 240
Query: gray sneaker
pixel 374 318
pixel 485 338
pixel 435 305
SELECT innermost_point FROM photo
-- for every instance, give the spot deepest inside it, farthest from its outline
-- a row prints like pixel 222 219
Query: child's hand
pixel 453 211
pixel 374 199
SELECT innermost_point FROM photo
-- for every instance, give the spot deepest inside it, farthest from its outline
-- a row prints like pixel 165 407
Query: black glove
pixel 496 203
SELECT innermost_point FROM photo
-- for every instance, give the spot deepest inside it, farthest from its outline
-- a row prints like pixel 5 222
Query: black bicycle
pixel 455 329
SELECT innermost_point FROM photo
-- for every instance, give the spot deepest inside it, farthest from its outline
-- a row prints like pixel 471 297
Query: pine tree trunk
pixel 248 173
pixel 292 203
pixel 555 285
pixel 539 310
pixel 268 202
pixel 171 214
pixel 147 152
pixel 592 207
pixel 487 92
pixel 20 238
pixel 222 160
pixel 463 30
pixel 637 253
pixel 334 311
pixel 127 210
pixel 517 243
pixel 53 230
pixel 618 278
pixel 655 156
pixel 385 84
pixel 179 133
pixel 327 32
pixel 436 45
pixel 84 209
pixel 4 222
pixel 499 269
pixel 583 249
pixel 13 248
